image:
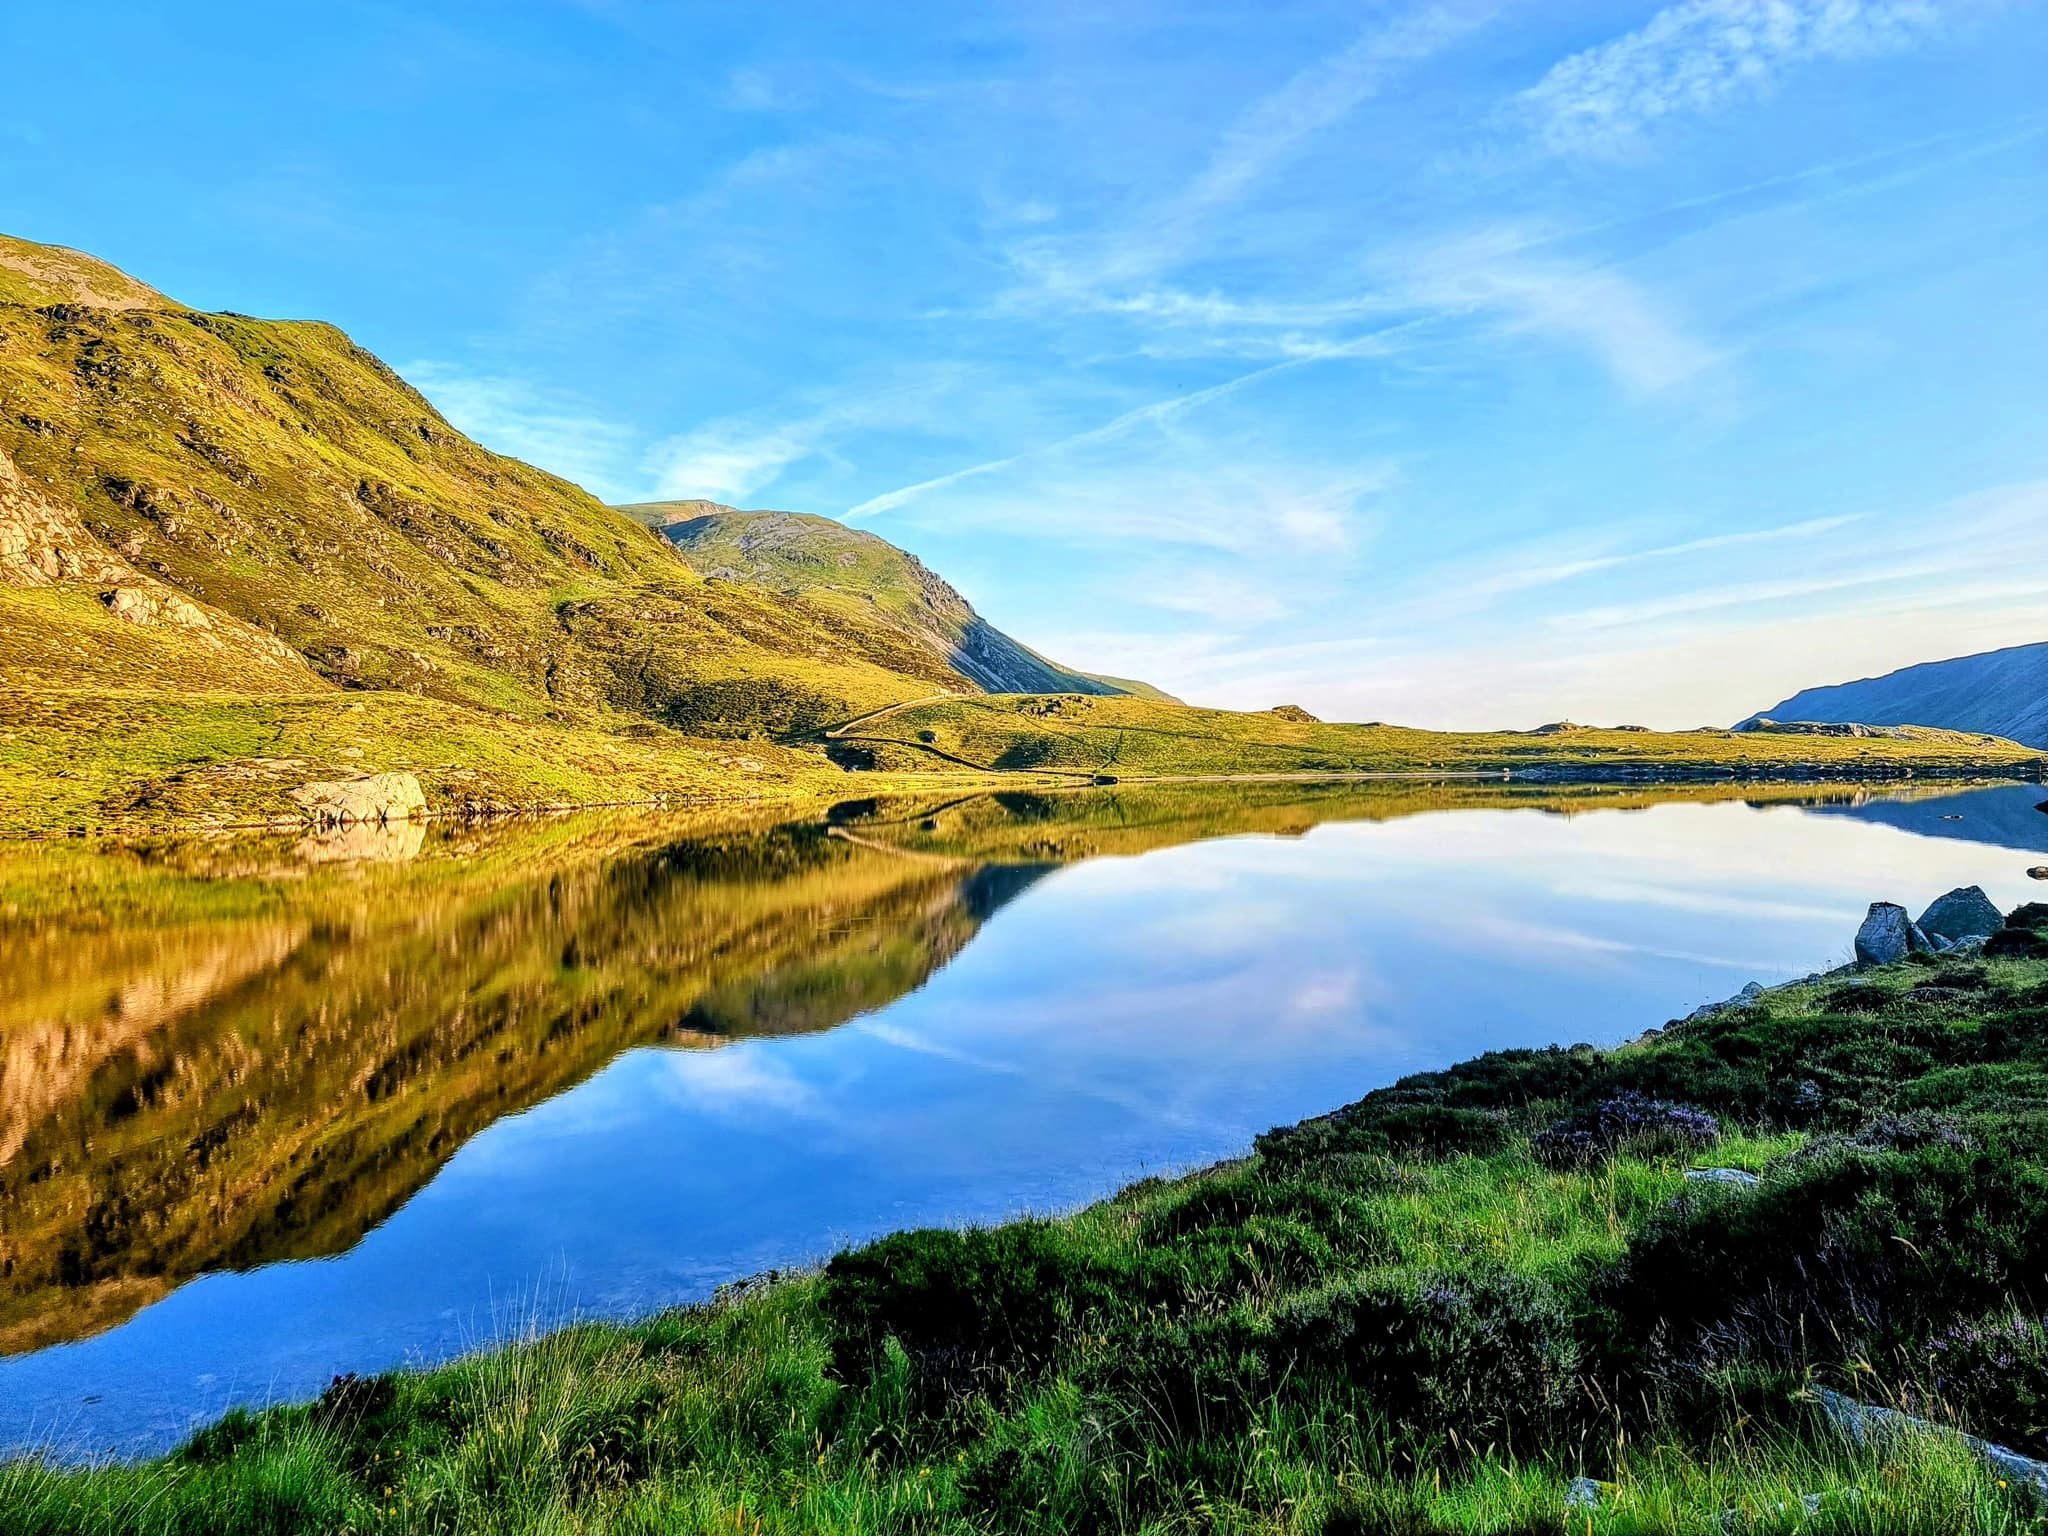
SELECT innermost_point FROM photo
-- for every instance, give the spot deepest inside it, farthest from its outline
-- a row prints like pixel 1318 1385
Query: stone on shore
pixel 1888 934
pixel 1964 913
pixel 377 797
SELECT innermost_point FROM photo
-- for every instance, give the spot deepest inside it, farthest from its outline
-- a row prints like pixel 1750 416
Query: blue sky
pixel 1458 364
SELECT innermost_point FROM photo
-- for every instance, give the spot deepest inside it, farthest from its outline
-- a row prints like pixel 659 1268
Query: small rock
pixel 1866 1424
pixel 1888 934
pixel 1739 1178
pixel 1964 913
pixel 1742 999
pixel 1582 1493
pixel 2038 872
pixel 377 797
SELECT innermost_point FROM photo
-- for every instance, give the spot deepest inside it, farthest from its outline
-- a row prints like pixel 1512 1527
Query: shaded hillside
pixel 268 492
pixel 2001 693
pixel 858 577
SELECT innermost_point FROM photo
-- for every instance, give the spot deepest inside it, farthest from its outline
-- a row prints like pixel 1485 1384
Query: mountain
pixel 1998 693
pixel 285 515
pixel 861 577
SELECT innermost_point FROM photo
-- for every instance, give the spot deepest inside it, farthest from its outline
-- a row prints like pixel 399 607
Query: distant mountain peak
pixel 1992 693
pixel 822 561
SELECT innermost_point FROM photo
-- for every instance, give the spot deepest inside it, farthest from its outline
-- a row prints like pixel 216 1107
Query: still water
pixel 273 1112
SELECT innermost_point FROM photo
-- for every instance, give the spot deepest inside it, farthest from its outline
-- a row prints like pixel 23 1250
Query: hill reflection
pixel 216 1055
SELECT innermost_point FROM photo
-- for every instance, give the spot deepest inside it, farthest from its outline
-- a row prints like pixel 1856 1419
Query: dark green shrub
pixel 1488 1354
pixel 1837 1253
pixel 972 1307
pixel 1990 1373
pixel 1411 1132
pixel 2011 943
pixel 1629 1122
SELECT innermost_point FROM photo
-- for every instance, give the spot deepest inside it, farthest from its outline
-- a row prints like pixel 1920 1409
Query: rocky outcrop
pixel 1742 999
pixel 1888 934
pixel 43 544
pixel 145 605
pixel 378 797
pixel 1772 727
pixel 1964 913
pixel 1295 713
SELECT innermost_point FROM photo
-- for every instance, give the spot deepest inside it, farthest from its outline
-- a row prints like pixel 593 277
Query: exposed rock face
pixel 1295 713
pixel 380 797
pixel 144 605
pixel 42 544
pixel 1888 934
pixel 1964 913
pixel 45 544
pixel 1810 727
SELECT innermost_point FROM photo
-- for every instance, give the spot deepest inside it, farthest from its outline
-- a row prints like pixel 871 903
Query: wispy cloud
pixel 1700 55
pixel 735 457
pixel 549 429
pixel 1494 272
pixel 1270 133
pixel 1152 413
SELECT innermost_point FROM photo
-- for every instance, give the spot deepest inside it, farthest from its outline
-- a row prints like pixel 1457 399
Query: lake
pixel 275 1110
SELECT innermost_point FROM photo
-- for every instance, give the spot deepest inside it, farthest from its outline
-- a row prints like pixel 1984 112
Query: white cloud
pixel 1699 55
pixel 1266 136
pixel 547 428
pixel 730 460
pixel 1153 413
pixel 1640 341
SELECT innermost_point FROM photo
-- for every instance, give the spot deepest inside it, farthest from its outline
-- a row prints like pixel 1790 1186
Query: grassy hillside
pixel 1429 1312
pixel 858 578
pixel 193 501
pixel 1135 737
pixel 2002 692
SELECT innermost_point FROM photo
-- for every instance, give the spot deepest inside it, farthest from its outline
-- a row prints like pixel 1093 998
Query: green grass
pixel 1131 737
pixel 1427 1312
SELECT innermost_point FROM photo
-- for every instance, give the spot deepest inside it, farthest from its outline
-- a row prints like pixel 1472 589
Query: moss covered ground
pixel 1428 1312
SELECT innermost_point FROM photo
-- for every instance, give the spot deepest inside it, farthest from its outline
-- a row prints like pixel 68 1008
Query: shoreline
pixel 893 785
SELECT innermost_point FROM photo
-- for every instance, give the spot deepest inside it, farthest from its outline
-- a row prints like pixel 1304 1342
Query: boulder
pixel 377 797
pixel 2038 872
pixel 1964 913
pixel 1888 934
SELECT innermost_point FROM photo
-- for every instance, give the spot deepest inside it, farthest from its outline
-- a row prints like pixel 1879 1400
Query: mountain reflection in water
pixel 215 1055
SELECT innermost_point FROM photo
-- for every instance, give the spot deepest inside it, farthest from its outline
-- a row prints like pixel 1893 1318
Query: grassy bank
pixel 1136 737
pixel 1427 1312
pixel 116 759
